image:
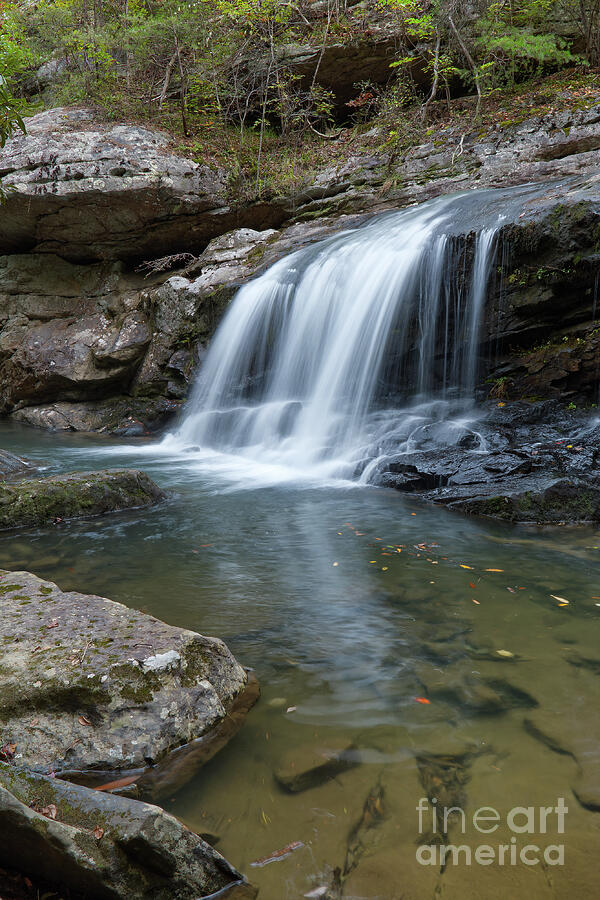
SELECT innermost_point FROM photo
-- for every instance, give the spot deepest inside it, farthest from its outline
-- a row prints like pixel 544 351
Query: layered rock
pixel 89 192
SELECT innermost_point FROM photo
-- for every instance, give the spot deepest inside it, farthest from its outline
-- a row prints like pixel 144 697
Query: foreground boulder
pixel 103 847
pixel 44 500
pixel 95 691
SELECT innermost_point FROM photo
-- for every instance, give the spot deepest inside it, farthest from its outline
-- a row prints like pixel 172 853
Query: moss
pixel 45 590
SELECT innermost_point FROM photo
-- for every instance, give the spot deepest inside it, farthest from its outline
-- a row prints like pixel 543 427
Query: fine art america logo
pixel 522 822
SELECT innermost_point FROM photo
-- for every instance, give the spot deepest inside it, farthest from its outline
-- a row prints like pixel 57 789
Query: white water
pixel 350 348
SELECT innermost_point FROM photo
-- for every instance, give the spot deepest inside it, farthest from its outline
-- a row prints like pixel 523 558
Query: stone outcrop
pixel 105 847
pixel 92 690
pixel 86 191
pixel 42 501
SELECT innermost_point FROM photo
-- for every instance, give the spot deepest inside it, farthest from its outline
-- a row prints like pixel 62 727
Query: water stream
pixel 429 648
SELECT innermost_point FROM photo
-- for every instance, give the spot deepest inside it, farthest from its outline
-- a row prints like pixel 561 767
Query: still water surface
pixel 354 605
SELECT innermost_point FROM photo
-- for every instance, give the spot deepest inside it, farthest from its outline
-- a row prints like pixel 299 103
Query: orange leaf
pixel 462 565
pixel 422 700
pixel 119 783
pixel 494 570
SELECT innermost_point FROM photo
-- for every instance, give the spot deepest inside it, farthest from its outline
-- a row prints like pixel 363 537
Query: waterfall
pixel 346 346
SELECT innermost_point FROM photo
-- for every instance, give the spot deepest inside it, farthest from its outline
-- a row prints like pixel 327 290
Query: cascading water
pixel 346 348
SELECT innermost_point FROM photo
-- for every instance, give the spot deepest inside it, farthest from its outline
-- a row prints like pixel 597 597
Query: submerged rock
pixel 104 847
pixel 42 501
pixel 90 689
pixel 309 766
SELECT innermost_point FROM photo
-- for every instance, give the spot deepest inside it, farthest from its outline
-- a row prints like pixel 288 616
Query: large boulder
pixel 92 690
pixel 41 501
pixel 102 847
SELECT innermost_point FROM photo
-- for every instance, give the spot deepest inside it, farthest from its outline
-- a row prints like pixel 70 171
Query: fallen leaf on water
pixel 422 700
pixel 336 564
pixel 475 601
pixel 384 568
pixel 462 565
pixel 277 854
pixel 559 599
pixel 512 590
pixel 506 653
pixel 471 585
pixel 83 721
pixel 494 570
pixel 119 783
pixel 98 832
pixel 291 709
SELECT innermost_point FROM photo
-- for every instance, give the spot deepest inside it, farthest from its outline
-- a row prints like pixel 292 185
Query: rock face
pixel 91 689
pixel 44 500
pixel 72 178
pixel 104 847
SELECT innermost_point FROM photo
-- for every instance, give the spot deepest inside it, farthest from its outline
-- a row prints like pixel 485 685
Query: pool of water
pixel 432 651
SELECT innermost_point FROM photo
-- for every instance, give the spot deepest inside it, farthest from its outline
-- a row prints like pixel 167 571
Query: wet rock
pixel 127 416
pixel 91 688
pixel 105 847
pixel 312 765
pixel 43 501
pixel 12 466
pixel 539 499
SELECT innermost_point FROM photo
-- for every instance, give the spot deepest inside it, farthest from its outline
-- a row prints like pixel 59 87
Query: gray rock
pixel 12 466
pixel 105 847
pixel 42 501
pixel 72 176
pixel 128 416
pixel 92 690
